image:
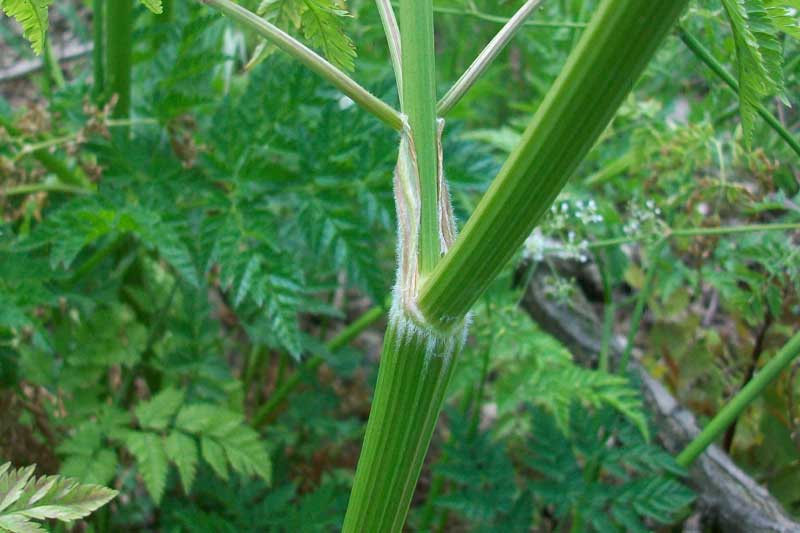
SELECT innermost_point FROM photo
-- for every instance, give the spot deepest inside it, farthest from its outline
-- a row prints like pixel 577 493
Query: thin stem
pixel 744 398
pixel 265 413
pixel 310 59
pixel 733 230
pixel 486 57
pixel 503 20
pixel 755 355
pixel 119 49
pixel 419 104
pixel 609 312
pixel 50 161
pixel 99 38
pixel 610 56
pixel 52 68
pixel 392 31
pixel 44 187
pixel 697 232
pixel 716 67
pixel 641 302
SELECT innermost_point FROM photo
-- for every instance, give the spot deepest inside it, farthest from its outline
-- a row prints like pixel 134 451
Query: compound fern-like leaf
pixel 24 497
pixel 759 58
pixel 32 16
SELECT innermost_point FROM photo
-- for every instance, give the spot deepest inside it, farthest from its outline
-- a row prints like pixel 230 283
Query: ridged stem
pixel 745 397
pixel 716 67
pixel 610 56
pixel 415 369
pixel 310 59
pixel 419 105
pixel 119 49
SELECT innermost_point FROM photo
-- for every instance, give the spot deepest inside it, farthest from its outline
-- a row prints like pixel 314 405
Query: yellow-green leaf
pixel 32 16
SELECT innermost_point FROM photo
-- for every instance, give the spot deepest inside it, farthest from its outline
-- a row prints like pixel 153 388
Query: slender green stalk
pixel 609 313
pixel 310 59
pixel 716 67
pixel 99 40
pixel 745 397
pixel 610 56
pixel 392 31
pixel 31 188
pixel 52 68
pixel 734 230
pixel 641 303
pixel 119 49
pixel 265 413
pixel 50 162
pixel 419 104
pixel 503 20
pixel 698 232
pixel 486 57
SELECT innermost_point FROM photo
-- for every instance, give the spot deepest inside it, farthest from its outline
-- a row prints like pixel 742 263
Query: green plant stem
pixel 50 162
pixel 704 55
pixel 265 413
pixel 503 20
pixel 698 232
pixel 419 104
pixel 311 60
pixel 486 57
pixel 610 56
pixel 641 303
pixel 44 187
pixel 119 50
pixel 609 312
pixel 52 68
pixel 392 31
pixel 416 366
pixel 99 41
pixel 744 398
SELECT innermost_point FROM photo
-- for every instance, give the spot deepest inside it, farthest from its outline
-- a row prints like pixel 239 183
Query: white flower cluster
pixel 538 246
pixel 562 231
pixel 642 219
pixel 565 214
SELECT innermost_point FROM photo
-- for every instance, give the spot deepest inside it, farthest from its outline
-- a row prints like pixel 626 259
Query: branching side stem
pixel 486 57
pixel 310 59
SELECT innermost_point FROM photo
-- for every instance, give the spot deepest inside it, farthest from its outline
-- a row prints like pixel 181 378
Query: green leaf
pixel 246 453
pixel 159 410
pixel 24 497
pixel 182 450
pixel 99 467
pixel 154 6
pixel 322 26
pixel 151 460
pixel 785 15
pixel 284 14
pixel 32 16
pixel 759 58
pixel 214 455
pixel 225 436
pixel 321 23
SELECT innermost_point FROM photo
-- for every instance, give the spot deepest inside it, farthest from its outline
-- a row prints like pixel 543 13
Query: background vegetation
pixel 163 275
